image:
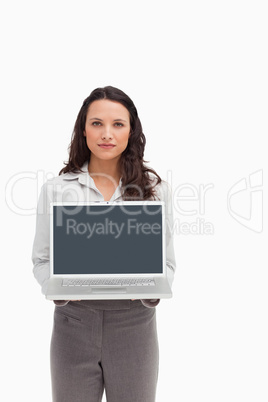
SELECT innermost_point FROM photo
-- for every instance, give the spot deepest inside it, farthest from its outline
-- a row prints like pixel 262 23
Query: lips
pixel 106 146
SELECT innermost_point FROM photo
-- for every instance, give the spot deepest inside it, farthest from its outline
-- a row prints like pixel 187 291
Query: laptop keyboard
pixel 109 282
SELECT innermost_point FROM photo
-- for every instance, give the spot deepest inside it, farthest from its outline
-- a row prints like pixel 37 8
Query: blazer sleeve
pixel 165 194
pixel 170 252
pixel 40 250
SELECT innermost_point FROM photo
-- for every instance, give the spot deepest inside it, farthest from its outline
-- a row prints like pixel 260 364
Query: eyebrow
pixel 96 118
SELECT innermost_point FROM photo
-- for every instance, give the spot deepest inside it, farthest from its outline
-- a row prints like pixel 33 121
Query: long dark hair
pixel 138 181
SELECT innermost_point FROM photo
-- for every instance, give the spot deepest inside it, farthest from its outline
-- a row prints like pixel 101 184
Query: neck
pixel 104 170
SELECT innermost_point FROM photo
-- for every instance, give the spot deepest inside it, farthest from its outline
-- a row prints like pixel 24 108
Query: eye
pixel 118 125
pixel 96 123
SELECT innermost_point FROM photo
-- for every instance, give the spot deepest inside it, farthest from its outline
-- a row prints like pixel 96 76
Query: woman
pixel 109 344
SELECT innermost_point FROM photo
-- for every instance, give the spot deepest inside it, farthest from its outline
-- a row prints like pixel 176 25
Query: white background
pixel 197 72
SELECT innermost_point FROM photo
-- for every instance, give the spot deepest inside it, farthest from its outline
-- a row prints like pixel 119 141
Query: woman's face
pixel 107 129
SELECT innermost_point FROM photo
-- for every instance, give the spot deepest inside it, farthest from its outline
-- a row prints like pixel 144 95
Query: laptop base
pixel 57 292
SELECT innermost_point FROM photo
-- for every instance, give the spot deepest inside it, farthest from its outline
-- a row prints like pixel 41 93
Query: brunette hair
pixel 137 179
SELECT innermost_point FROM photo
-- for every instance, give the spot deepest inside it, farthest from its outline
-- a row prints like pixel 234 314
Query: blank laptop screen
pixel 107 239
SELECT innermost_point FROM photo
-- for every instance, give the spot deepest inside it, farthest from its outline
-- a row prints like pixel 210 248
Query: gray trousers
pixel 104 344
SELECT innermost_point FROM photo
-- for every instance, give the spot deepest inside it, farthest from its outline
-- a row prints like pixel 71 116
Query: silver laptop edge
pixel 108 276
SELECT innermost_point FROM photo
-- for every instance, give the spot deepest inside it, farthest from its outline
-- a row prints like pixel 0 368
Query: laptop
pixel 107 250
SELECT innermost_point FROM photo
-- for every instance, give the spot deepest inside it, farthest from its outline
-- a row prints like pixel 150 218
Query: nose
pixel 107 133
